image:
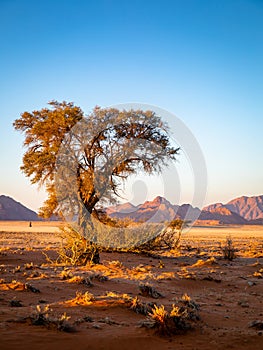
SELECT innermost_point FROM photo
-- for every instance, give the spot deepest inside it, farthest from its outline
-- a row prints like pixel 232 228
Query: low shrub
pixel 228 250
pixel 180 319
pixel 41 317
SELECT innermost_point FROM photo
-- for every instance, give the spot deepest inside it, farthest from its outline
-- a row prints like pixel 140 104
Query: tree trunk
pixel 87 229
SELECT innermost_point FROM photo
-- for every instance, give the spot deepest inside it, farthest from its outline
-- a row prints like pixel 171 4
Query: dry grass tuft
pixel 41 317
pixel 81 280
pixel 200 262
pixel 140 307
pixel 83 299
pixel 178 320
pixel 146 290
pixel 228 250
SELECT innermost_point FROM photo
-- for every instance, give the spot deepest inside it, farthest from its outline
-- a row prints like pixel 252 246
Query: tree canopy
pixel 82 160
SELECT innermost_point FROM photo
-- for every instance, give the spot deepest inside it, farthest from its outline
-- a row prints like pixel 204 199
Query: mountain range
pixel 240 211
pixel 250 208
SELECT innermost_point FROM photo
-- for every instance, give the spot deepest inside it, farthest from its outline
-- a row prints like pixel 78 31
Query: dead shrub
pixel 146 290
pixel 168 239
pixel 178 320
pixel 140 307
pixel 228 250
pixel 41 317
pixel 76 250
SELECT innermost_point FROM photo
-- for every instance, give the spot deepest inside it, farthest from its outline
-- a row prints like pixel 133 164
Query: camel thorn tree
pixel 83 160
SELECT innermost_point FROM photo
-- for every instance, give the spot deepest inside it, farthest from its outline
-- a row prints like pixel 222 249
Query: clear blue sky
pixel 199 59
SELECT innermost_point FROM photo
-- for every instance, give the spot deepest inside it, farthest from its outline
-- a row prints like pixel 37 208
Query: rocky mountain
pixel 122 208
pixel 249 208
pixel 12 210
pixel 222 215
pixel 157 210
pixel 239 211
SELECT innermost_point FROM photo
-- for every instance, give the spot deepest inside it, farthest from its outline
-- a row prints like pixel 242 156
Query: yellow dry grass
pixel 23 226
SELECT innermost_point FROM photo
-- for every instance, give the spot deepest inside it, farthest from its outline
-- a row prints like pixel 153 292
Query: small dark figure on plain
pixel 30 224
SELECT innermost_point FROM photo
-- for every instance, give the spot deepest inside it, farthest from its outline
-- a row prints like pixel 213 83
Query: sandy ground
pixel 229 293
pixel 23 226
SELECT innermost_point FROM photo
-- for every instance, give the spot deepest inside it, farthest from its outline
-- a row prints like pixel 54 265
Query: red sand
pixel 229 295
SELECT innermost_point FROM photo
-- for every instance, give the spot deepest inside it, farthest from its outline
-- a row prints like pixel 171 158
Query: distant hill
pixel 12 210
pixel 154 211
pixel 249 208
pixel 222 215
pixel 239 211
pixel 157 210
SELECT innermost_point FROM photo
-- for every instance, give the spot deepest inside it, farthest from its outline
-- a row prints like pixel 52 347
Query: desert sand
pixel 229 293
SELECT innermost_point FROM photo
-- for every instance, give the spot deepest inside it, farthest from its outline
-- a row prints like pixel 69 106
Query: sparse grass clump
pixel 178 320
pixel 159 319
pixel 191 306
pixel 115 264
pixel 66 274
pixel 81 280
pixel 228 250
pixel 83 298
pixel 147 290
pixel 140 307
pixel 41 317
pixel 29 266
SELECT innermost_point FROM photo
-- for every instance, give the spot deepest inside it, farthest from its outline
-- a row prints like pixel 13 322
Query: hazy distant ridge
pixel 243 210
pixel 249 208
pixel 12 210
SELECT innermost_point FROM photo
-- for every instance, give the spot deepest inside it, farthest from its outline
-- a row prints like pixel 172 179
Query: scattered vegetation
pixel 31 288
pixel 140 307
pixel 83 298
pixel 81 280
pixel 168 239
pixel 15 303
pixel 228 250
pixel 29 266
pixel 41 317
pixel 125 272
pixel 179 319
pixel 147 290
pixel 208 262
pixel 258 274
pixel 75 249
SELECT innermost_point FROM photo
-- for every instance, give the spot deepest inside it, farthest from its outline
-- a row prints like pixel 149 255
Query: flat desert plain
pixel 46 305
